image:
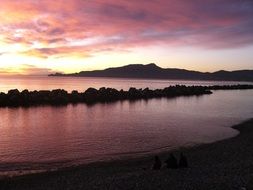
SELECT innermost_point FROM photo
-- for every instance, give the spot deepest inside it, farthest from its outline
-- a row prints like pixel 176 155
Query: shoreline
pixel 226 164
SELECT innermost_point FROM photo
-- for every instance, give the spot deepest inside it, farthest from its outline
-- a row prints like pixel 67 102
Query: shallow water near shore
pixel 43 138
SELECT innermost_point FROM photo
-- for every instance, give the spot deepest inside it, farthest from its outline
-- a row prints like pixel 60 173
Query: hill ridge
pixel 152 71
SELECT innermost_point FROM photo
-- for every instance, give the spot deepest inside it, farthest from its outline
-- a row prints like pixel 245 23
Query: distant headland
pixel 152 71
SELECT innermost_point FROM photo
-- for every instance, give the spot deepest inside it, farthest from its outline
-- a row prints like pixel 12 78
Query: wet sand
pixel 226 164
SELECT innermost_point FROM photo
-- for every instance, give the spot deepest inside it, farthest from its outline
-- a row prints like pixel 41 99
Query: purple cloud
pixel 124 24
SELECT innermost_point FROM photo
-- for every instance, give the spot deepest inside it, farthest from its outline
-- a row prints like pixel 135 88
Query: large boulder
pixel 14 98
pixel 75 97
pixel 3 99
pixel 91 95
pixel 59 97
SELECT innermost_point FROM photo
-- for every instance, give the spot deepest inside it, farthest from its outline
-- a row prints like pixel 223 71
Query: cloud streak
pixel 31 69
pixel 82 28
pixel 26 69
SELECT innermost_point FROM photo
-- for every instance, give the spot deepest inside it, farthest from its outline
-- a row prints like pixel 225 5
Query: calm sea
pixel 42 138
pixel 81 83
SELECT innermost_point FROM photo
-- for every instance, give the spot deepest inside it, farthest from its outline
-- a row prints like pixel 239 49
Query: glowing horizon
pixel 41 37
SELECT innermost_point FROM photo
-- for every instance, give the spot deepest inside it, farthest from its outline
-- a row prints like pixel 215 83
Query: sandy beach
pixel 227 164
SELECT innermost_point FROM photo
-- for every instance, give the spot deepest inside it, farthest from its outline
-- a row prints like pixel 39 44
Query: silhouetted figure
pixel 183 163
pixel 171 162
pixel 157 164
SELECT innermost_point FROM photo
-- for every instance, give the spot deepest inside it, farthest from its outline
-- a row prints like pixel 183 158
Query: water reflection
pixel 82 133
pixel 81 84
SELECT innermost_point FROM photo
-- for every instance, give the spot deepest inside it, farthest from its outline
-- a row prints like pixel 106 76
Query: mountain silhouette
pixel 152 71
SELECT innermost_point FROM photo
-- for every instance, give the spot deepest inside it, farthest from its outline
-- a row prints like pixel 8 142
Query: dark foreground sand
pixel 227 164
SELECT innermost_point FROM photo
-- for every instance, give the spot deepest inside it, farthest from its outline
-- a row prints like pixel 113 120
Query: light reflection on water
pixel 81 83
pixel 81 134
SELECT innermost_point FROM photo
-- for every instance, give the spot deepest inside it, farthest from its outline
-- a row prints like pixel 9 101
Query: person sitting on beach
pixel 157 164
pixel 183 163
pixel 172 162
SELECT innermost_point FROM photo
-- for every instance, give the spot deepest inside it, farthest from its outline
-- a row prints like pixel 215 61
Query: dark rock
pixel 14 98
pixel 59 97
pixel 3 99
pixel 92 95
pixel 75 97
pixel 13 92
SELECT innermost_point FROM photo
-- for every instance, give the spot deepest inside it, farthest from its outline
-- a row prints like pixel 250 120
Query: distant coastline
pixel 152 71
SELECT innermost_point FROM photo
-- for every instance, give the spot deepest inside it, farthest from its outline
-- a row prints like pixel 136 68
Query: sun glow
pixel 86 35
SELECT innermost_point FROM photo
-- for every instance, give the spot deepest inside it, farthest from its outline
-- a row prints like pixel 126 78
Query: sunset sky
pixel 43 36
